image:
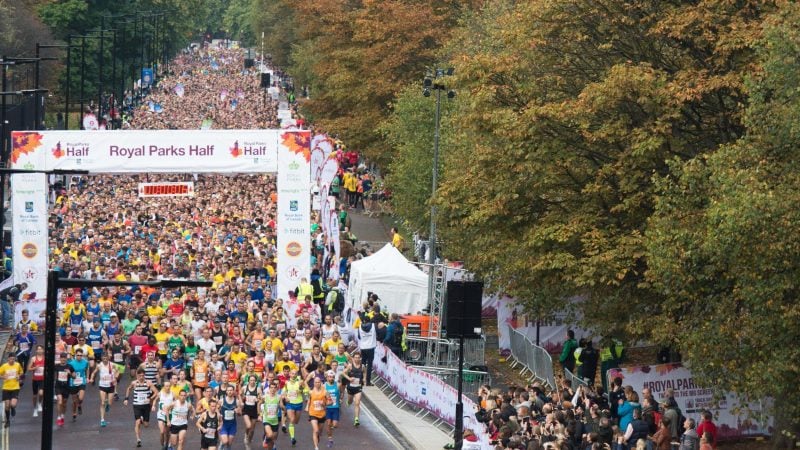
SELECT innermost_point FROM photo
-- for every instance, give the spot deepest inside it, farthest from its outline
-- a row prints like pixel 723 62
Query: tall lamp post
pixel 433 82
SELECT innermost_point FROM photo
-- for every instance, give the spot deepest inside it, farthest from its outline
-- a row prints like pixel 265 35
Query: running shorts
pixel 228 428
pixel 332 414
pixel 175 429
pixel 10 394
pixel 141 412
pixel 294 406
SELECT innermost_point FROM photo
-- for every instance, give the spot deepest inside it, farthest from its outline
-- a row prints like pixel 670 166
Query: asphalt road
pixel 86 433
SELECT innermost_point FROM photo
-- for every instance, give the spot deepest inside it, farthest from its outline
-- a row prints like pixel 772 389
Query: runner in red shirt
pixel 36 367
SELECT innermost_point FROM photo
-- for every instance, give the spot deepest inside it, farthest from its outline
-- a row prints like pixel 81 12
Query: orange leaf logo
pixel 58 152
pixel 298 143
pixel 235 150
pixel 24 143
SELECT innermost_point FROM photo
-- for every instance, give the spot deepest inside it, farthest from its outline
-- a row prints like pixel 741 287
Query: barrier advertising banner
pixel 29 241
pixel 294 210
pixel 427 391
pixel 136 151
pixel 694 399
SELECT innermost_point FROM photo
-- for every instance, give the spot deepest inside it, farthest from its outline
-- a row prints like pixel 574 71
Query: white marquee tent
pixel 401 286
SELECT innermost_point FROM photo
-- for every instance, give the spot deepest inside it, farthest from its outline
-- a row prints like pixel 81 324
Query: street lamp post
pixel 432 82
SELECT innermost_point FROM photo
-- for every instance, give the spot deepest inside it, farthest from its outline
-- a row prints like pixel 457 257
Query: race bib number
pixel 292 395
pixel 319 404
pixel 95 345
pixel 63 376
pixel 218 340
pixel 141 398
pixel 250 399
pixel 355 382
pixel 211 433
pixel 137 349
pixel 105 380
pixel 230 414
pixel 257 344
pixel 272 410
pixel 11 374
pixel 117 357
pixel 78 380
pixel 162 345
pixel 200 377
pixel 39 371
pixel 24 346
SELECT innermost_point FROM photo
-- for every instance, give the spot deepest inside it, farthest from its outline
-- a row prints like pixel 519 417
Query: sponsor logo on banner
pixel 29 250
pixel 235 151
pixel 293 205
pixel 58 152
pixel 30 275
pixel 294 249
pixel 28 207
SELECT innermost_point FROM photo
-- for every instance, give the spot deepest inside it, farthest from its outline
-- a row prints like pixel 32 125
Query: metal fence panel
pixel 534 359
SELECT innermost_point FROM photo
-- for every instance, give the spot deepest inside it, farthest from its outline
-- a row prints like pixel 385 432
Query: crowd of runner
pixel 206 360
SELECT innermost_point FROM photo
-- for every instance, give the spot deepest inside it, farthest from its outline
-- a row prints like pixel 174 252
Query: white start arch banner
pixel 164 151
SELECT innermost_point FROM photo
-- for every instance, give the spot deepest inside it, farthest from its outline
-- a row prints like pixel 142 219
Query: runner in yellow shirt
pixel 10 373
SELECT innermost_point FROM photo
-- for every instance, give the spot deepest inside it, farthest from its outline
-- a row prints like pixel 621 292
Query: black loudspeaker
pixel 249 62
pixel 462 311
pixel 264 80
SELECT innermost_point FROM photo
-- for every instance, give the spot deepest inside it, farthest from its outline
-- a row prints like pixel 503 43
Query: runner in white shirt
pixel 106 375
pixel 178 414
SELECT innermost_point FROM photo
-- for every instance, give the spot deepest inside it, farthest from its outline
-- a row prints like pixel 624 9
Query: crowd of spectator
pixel 587 418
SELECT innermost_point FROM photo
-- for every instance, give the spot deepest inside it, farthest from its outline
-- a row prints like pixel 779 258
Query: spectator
pixel 707 426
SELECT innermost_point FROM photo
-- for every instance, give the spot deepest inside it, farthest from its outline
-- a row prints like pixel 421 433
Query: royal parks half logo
pixel 28 207
pixel 293 206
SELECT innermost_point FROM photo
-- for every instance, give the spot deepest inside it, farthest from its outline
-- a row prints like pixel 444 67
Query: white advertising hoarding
pixel 29 241
pixel 294 210
pixel 693 398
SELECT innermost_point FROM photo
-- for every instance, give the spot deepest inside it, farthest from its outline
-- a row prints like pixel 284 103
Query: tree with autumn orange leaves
pixel 357 55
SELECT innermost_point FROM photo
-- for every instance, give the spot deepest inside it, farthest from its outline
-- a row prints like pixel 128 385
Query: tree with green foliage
pixel 409 132
pixel 572 108
pixel 724 243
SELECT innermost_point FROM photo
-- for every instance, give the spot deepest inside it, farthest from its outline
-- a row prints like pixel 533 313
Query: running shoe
pixel 294 442
pixel 116 396
pixel 8 423
pixel 39 407
pixel 35 412
pixel 330 443
pixel 13 411
pixel 108 407
pixel 356 422
pixel 74 418
pixel 138 443
pixel 284 429
pixel 103 423
pixel 60 421
pixel 80 409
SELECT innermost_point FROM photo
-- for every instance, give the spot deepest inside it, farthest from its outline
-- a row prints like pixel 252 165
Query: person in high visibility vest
pixel 610 357
pixel 577 355
pixel 304 288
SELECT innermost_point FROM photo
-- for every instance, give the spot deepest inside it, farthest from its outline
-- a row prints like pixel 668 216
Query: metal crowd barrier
pixel 474 351
pixel 574 380
pixel 473 379
pixel 535 362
